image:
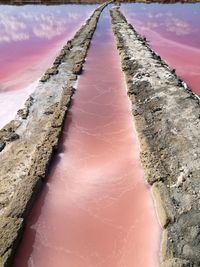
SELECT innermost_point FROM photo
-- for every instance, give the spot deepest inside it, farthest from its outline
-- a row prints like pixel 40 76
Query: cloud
pixel 48 25
pixel 20 25
pixel 150 15
pixel 48 31
pixel 152 25
pixel 170 23
pixel 179 27
pixel 11 29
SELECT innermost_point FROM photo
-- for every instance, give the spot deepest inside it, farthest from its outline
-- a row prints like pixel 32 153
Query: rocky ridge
pixel 28 142
pixel 167 117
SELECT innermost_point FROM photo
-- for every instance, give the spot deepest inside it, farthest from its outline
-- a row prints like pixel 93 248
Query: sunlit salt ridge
pixel 96 208
pixel 173 32
pixel 30 38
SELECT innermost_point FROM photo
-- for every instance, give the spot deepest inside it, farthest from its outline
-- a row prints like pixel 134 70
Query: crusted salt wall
pixel 27 143
pixel 167 120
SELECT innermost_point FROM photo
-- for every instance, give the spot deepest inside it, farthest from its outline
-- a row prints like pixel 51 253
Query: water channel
pixel 96 208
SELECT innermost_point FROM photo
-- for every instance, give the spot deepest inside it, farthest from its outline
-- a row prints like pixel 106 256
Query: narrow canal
pixel 96 209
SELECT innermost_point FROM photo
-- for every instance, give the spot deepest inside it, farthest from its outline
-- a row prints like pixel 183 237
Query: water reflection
pixel 30 38
pixel 96 209
pixel 173 31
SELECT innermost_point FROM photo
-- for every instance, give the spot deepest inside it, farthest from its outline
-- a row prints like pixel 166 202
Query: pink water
pixel 173 32
pixel 96 209
pixel 30 38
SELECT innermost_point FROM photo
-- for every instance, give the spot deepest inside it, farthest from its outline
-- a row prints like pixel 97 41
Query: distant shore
pixel 57 2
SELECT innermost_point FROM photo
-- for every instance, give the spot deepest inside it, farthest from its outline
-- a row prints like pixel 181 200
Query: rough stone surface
pixel 27 143
pixel 10 231
pixel 167 118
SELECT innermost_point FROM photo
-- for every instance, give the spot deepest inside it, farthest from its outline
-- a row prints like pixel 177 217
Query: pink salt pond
pixel 30 38
pixel 96 209
pixel 173 32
